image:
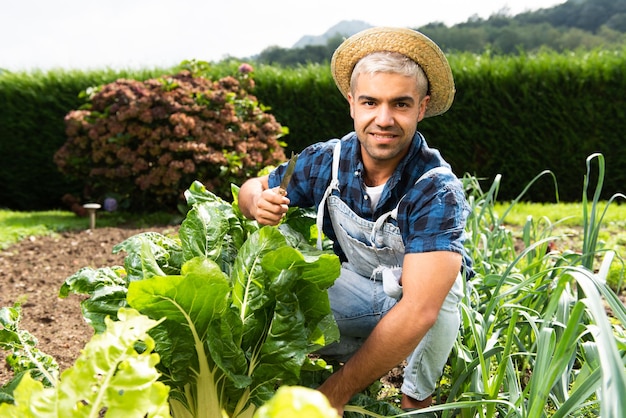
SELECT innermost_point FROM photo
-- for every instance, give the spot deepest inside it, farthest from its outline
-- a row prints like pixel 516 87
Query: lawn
pixel 567 219
pixel 16 226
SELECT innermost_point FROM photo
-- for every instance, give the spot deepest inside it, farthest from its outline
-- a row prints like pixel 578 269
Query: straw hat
pixel 411 43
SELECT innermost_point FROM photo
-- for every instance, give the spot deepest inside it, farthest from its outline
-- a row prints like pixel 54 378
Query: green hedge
pixel 518 116
pixel 513 115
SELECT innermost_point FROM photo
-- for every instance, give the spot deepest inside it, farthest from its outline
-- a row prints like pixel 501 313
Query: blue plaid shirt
pixel 431 216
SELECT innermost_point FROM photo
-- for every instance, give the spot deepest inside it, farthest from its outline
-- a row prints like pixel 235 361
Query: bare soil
pixel 33 271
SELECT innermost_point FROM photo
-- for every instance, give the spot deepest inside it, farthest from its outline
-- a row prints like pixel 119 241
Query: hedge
pixel 513 115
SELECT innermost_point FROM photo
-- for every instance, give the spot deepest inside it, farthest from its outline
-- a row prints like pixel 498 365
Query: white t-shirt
pixel 374 194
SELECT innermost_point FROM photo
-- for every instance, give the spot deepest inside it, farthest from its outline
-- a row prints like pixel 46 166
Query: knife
pixel 282 189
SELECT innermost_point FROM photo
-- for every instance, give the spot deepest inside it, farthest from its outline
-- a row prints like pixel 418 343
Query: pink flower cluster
pixel 148 141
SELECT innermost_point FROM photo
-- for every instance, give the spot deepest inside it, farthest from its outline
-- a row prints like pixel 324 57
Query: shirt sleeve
pixel 310 177
pixel 433 215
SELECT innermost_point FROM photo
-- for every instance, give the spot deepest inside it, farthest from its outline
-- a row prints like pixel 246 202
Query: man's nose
pixel 384 116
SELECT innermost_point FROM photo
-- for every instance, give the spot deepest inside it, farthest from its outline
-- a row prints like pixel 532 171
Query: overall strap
pixel 394 213
pixel 334 185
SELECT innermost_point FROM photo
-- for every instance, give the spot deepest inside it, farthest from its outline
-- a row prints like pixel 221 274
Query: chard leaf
pixel 281 322
pixel 176 354
pixel 198 193
pixel 24 358
pixel 193 304
pixel 194 298
pixel 301 221
pixel 150 254
pixel 321 269
pixel 315 273
pixel 109 376
pixel 283 351
pixel 106 288
pixel 224 343
pixel 213 227
pixel 103 302
pixel 87 279
pixel 249 278
pixel 204 233
pixel 320 321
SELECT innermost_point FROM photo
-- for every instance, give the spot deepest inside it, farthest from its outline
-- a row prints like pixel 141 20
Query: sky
pixel 126 34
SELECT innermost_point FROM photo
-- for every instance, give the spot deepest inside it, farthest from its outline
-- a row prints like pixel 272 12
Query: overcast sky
pixel 88 34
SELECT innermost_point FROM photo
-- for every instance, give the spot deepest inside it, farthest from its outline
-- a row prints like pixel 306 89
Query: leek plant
pixel 536 338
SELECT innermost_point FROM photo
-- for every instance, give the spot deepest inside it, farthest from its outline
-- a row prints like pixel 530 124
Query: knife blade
pixel 282 189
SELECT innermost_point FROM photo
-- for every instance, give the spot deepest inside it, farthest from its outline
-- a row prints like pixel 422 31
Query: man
pixel 394 210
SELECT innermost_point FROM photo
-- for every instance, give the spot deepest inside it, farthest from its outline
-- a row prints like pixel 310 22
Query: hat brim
pixel 408 42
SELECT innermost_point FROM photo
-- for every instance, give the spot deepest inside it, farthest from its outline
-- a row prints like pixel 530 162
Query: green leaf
pixel 196 297
pixel 107 289
pixel 150 254
pixel 204 233
pixel 87 279
pixel 190 303
pixel 248 276
pixel 297 401
pixel 283 351
pixel 24 357
pixel 109 375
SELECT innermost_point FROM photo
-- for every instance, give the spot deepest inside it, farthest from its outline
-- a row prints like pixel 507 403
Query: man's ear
pixel 423 107
pixel 351 103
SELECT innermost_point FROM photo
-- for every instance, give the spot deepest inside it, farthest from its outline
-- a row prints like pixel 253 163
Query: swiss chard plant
pixel 241 306
pixel 114 375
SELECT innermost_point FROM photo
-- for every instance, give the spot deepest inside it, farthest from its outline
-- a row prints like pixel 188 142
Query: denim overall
pixel 367 289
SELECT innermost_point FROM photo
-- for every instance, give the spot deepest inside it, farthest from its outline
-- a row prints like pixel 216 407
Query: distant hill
pixel 344 28
pixel 573 25
pixel 588 15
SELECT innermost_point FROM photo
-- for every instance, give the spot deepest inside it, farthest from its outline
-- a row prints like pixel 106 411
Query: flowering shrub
pixel 146 142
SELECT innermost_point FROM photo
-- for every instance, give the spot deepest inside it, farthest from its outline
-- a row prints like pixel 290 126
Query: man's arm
pixel 426 280
pixel 257 201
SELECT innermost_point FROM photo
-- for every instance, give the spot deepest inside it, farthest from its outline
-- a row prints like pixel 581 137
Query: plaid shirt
pixel 431 215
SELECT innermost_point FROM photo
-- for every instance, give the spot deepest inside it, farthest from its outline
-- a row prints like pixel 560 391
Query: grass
pixel 566 220
pixel 16 226
pixel 570 214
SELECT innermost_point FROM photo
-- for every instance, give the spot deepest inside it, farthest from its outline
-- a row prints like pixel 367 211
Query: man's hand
pixel 271 205
pixel 258 202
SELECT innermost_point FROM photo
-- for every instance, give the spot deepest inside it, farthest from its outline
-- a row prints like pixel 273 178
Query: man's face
pixel 386 109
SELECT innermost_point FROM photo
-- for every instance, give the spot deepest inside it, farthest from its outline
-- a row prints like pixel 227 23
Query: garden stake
pixel 91 209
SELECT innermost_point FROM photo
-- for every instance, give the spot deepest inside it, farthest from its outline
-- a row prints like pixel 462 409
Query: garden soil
pixel 33 271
